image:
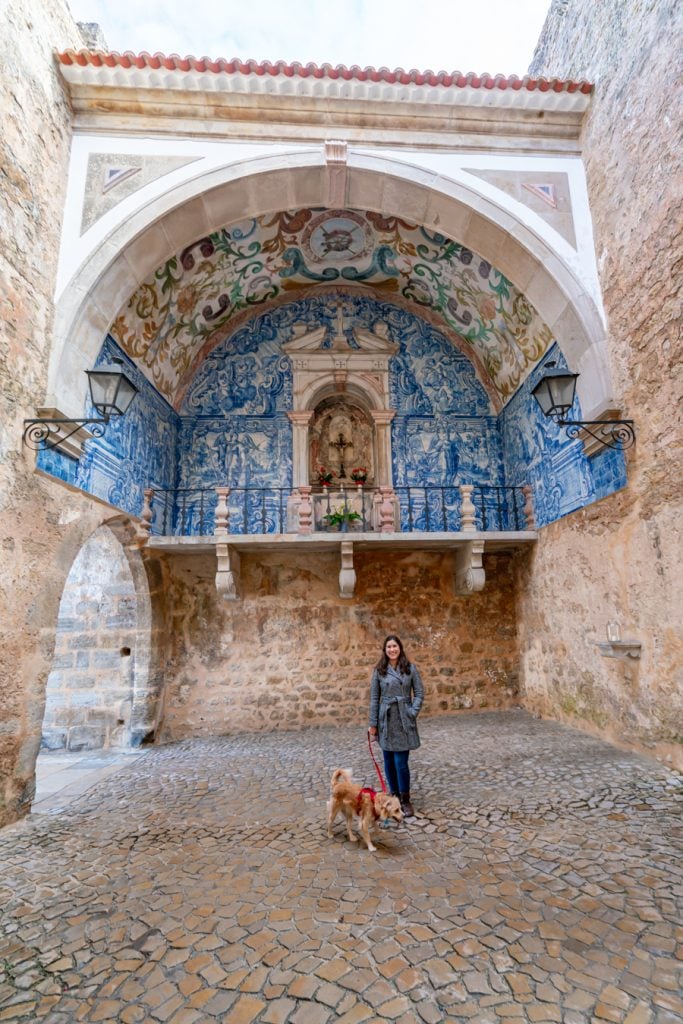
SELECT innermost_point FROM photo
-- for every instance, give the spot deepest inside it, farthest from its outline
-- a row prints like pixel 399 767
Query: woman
pixel 396 695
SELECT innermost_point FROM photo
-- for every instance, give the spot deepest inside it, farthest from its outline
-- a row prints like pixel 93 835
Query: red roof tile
pixel 398 76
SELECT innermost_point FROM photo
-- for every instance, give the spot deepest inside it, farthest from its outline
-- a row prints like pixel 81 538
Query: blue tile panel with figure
pixel 232 429
pixel 537 451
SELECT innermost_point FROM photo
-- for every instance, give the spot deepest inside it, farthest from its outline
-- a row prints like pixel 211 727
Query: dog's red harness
pixel 372 794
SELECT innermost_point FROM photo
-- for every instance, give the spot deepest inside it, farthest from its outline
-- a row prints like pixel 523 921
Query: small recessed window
pixel 125 652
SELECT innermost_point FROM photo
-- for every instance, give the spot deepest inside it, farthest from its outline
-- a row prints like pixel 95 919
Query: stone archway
pixel 100 691
pixel 268 184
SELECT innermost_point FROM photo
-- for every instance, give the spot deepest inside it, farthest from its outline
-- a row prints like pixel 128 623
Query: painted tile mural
pixel 200 291
pixel 538 452
pixel 137 450
pixel 232 429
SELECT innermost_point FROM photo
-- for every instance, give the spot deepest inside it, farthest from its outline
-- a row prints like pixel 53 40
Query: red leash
pixel 377 768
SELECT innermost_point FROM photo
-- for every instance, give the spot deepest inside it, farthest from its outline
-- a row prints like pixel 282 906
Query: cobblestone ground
pixel 539 883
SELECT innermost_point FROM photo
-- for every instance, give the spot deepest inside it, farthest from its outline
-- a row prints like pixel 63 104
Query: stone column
pixel 300 422
pixel 382 419
pixel 305 510
pixel 387 514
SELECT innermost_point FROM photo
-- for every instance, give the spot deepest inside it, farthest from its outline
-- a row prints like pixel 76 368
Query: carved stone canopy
pixel 352 373
pixel 362 367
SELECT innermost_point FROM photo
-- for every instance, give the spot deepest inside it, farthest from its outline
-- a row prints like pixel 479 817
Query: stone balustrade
pixel 463 519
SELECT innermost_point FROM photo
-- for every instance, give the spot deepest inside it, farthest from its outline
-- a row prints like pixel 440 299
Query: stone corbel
pixel 347 574
pixel 624 649
pixel 227 572
pixel 470 576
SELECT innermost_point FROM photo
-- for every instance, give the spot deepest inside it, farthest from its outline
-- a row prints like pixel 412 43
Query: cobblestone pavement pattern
pixel 539 883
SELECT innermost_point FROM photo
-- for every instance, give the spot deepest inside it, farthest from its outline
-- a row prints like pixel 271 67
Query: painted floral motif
pixel 188 305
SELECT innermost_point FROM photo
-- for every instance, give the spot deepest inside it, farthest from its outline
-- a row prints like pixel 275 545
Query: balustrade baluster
pixel 221 518
pixel 468 521
pixel 144 527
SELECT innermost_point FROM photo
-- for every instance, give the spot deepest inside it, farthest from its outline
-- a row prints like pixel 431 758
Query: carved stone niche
pixel 341 437
pixel 351 376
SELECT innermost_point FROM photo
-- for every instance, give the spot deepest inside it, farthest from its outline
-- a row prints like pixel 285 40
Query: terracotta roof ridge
pixel 398 76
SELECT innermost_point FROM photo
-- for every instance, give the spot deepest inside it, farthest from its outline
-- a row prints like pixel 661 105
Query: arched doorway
pixel 99 693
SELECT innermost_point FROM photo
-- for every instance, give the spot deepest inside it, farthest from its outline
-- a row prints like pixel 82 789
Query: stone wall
pixel 620 560
pixel 43 523
pixel 292 654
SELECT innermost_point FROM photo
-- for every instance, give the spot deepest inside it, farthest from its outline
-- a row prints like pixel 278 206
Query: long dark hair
pixel 403 664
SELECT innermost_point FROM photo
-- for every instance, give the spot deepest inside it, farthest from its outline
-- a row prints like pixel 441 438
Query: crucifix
pixel 341 445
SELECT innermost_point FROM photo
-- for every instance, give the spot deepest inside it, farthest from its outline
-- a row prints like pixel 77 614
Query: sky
pixel 494 36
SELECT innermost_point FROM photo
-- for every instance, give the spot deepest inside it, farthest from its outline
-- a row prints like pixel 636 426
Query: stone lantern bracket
pixel 624 649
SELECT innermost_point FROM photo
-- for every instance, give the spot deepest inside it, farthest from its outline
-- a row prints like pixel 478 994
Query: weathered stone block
pixel 85 737
pixel 106 659
pixel 53 739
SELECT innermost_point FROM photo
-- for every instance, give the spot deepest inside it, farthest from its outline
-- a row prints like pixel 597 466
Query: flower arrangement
pixel 325 476
pixel 341 516
pixel 359 475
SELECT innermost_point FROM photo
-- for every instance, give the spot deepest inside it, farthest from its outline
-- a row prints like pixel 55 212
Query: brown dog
pixel 368 806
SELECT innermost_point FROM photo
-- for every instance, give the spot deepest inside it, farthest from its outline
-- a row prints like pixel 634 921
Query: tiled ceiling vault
pixel 195 299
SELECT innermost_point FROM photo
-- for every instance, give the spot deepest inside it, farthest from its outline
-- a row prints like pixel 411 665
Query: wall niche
pixel 341 438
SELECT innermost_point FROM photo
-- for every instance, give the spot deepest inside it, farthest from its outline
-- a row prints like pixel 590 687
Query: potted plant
pixel 325 476
pixel 340 518
pixel 359 475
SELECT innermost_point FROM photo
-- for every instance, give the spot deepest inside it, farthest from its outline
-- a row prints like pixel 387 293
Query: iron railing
pixel 187 511
pixel 431 509
pixel 266 510
pixel 499 508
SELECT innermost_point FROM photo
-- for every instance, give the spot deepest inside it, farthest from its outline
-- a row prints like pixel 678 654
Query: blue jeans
pixel 397 771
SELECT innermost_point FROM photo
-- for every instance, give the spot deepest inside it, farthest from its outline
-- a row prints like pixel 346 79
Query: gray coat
pixel 395 701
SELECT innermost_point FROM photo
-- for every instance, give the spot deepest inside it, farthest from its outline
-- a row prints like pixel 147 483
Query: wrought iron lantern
pixel 555 395
pixel 111 393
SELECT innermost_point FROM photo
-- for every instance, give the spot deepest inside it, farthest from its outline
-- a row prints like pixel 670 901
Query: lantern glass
pixel 555 393
pixel 111 392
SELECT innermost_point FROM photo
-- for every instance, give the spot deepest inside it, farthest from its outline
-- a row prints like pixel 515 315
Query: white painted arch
pixel 268 184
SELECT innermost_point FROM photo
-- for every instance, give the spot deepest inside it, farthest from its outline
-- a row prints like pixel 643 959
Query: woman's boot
pixel 406 805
